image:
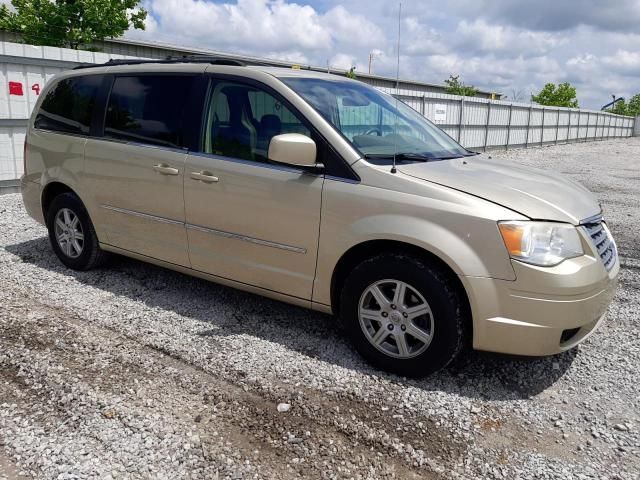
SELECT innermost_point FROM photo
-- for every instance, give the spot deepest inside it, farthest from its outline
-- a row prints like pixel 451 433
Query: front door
pixel 248 219
pixel 136 170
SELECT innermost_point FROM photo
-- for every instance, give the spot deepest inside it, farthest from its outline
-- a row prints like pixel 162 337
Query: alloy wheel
pixel 396 318
pixel 69 234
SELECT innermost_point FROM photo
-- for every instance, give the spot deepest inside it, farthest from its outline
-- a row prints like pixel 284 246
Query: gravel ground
pixel 133 371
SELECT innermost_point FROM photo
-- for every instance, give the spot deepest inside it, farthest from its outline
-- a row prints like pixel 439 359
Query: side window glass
pixel 68 107
pixel 242 120
pixel 147 108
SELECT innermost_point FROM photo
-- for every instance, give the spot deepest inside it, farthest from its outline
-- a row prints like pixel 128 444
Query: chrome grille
pixel 604 243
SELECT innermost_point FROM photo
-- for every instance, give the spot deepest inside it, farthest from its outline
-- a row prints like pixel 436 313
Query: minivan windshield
pixel 377 125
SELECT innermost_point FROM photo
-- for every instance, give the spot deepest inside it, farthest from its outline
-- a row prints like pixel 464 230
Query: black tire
pixel 91 255
pixel 450 317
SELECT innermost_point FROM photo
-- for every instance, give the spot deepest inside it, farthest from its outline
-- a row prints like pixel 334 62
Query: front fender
pixel 464 254
pixel 459 229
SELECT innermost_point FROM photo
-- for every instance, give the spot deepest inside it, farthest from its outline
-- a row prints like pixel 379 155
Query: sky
pixel 512 47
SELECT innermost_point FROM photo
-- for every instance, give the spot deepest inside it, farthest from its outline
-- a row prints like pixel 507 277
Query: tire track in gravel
pixel 100 361
pixel 8 470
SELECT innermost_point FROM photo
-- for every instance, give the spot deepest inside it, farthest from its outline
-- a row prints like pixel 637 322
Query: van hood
pixel 529 191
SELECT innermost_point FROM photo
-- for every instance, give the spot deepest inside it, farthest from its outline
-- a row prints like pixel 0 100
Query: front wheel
pixel 72 235
pixel 404 314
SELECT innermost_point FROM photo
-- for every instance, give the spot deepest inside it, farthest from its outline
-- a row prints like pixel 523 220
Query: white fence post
pixel 509 127
pixel 586 130
pixel 486 127
pixel 460 120
pixel 602 131
pixel 636 126
pixel 526 141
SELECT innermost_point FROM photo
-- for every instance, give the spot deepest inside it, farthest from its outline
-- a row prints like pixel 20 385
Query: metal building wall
pixel 477 123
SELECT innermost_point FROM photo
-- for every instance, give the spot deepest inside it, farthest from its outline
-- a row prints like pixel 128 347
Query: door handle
pixel 164 169
pixel 206 177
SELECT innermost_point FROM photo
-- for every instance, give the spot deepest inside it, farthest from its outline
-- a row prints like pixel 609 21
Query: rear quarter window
pixel 68 106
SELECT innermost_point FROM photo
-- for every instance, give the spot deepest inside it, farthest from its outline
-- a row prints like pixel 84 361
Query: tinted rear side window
pixel 147 108
pixel 68 106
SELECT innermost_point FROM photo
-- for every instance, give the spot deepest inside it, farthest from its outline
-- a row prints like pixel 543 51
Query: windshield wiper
pixel 415 157
pixel 449 157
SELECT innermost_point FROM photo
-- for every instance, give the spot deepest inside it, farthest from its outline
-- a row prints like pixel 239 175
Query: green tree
pixel 352 73
pixel 70 23
pixel 619 108
pixel 633 107
pixel 562 95
pixel 455 87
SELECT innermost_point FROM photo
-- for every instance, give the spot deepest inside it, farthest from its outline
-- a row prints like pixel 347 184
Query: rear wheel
pixel 404 314
pixel 72 235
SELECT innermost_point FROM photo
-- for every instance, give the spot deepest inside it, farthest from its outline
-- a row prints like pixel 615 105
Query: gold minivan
pixel 323 192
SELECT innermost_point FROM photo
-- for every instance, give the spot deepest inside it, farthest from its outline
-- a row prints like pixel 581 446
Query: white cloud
pixel 257 26
pixel 293 56
pixel 344 61
pixel 245 25
pixel 581 61
pixel 599 77
pixel 422 40
pixel 555 15
pixel 347 27
pixel 623 62
pixel 479 36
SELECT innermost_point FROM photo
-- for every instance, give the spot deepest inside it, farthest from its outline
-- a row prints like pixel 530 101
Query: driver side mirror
pixel 293 149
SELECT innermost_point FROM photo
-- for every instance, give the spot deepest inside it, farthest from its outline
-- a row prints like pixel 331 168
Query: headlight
pixel 541 243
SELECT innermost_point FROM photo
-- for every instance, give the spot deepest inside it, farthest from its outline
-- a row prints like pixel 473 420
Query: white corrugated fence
pixel 479 123
pixel 476 123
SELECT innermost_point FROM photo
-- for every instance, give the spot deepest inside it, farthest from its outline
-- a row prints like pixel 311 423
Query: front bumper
pixel 545 311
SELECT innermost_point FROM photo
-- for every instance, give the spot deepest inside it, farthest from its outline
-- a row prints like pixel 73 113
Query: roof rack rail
pixel 210 59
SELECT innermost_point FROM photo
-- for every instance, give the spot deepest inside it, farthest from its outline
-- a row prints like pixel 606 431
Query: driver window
pixel 242 120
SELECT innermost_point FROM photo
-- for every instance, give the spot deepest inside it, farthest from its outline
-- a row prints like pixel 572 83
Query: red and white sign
pixel 15 88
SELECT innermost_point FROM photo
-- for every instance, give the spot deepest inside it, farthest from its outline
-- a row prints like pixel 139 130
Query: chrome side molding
pixel 245 238
pixel 142 215
pixel 211 231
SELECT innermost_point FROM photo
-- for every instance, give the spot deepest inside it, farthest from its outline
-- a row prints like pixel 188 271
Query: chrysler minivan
pixel 323 192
